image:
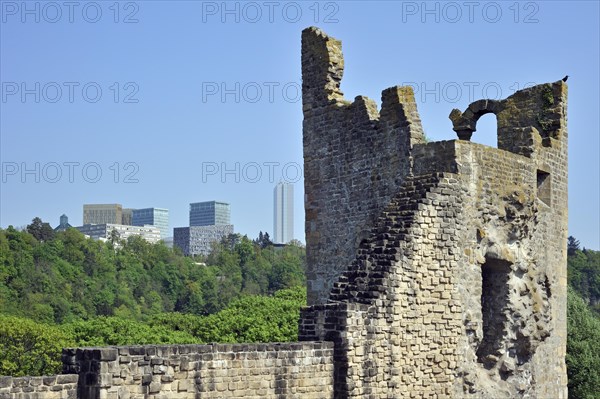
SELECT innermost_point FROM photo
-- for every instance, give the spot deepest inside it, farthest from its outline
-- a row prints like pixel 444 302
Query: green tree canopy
pixel 583 350
pixel 40 230
pixel 30 348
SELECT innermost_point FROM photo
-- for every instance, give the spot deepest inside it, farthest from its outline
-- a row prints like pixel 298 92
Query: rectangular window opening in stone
pixel 495 274
pixel 544 187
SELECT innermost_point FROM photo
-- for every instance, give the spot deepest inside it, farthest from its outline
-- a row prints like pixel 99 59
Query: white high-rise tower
pixel 283 213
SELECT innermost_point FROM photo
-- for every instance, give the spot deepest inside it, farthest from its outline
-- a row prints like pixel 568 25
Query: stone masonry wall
pixel 297 370
pixel 355 159
pixel 452 279
pixel 62 386
pixel 513 341
pixel 395 322
pixel 518 216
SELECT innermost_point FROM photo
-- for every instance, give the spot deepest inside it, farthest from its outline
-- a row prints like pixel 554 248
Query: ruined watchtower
pixel 437 269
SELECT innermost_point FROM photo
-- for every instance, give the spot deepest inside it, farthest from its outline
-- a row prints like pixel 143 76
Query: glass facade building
pixel 283 213
pixel 209 213
pixel 158 217
pixel 127 217
pixel 106 213
pixel 102 213
pixel 197 240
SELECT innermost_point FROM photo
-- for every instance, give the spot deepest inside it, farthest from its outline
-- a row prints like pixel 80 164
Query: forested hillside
pixel 584 273
pixel 59 290
pixel 67 277
pixel 28 347
pixel 583 312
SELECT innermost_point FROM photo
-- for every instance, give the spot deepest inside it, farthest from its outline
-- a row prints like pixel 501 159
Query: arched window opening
pixel 487 130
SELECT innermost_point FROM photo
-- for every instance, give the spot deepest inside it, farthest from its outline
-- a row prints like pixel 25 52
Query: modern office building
pixel 103 231
pixel 64 223
pixel 210 221
pixel 102 213
pixel 106 213
pixel 283 213
pixel 127 216
pixel 197 240
pixel 209 213
pixel 158 217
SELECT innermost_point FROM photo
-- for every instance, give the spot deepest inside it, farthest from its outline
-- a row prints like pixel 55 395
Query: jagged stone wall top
pixel 355 159
pixel 437 269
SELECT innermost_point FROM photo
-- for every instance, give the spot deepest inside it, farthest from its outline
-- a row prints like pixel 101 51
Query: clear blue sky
pixel 161 118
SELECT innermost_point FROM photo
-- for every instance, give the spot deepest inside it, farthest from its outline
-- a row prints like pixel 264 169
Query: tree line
pixel 65 277
pixel 29 347
pixel 583 321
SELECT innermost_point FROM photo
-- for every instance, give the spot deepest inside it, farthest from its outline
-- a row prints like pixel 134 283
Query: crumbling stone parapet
pixel 436 269
pixel 530 117
pixel 353 154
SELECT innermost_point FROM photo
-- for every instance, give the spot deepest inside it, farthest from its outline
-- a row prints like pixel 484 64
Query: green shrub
pixel 103 331
pixel 30 348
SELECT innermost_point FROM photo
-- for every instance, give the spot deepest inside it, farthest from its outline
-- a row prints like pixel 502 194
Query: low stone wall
pixel 276 370
pixel 62 386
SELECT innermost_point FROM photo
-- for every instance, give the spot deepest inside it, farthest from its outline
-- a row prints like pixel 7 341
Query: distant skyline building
pixel 102 213
pixel 158 217
pixel 209 213
pixel 283 213
pixel 127 216
pixel 64 223
pixel 103 231
pixel 210 221
pixel 197 240
pixel 107 213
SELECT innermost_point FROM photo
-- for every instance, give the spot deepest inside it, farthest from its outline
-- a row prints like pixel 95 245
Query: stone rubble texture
pixel 435 269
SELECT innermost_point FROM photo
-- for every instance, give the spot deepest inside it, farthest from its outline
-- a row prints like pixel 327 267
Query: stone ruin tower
pixel 438 269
